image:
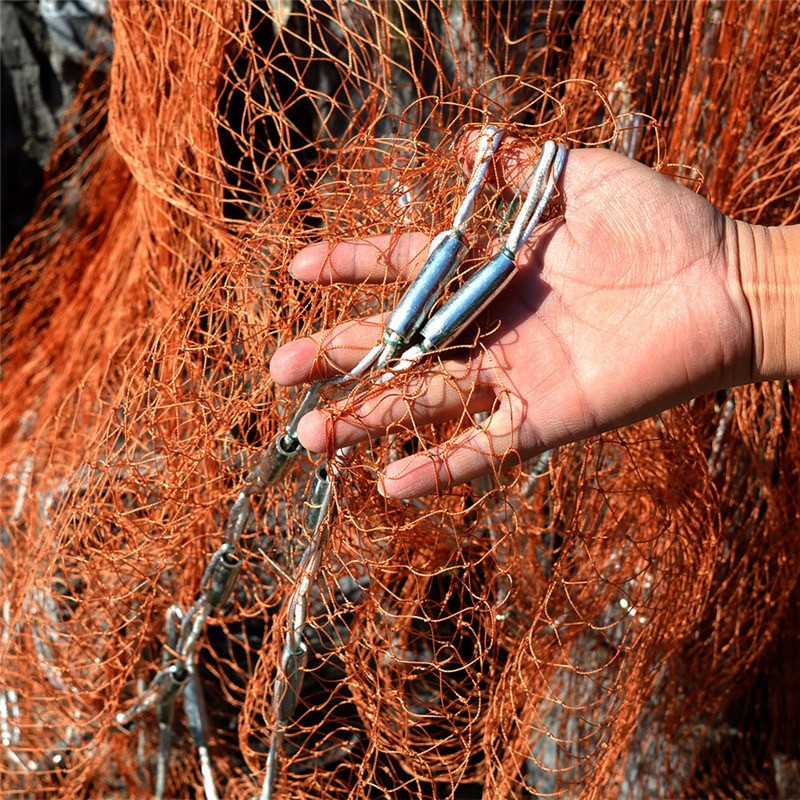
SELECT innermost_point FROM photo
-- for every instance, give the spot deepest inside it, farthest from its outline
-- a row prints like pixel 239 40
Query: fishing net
pixel 617 618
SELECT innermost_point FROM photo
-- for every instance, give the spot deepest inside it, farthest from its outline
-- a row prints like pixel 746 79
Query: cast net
pixel 618 618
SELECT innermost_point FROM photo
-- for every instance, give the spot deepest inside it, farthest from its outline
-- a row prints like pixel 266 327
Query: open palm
pixel 626 305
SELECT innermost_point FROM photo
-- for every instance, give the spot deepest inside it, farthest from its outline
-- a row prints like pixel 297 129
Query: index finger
pixel 379 259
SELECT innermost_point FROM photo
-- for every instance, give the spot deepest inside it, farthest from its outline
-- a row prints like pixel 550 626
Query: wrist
pixel 769 271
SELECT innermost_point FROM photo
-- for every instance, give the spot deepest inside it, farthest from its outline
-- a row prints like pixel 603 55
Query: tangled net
pixel 619 619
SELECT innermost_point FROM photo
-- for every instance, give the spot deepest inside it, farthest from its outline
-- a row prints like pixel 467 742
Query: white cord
pixel 487 147
pixel 532 202
pixel 555 174
pixel 366 362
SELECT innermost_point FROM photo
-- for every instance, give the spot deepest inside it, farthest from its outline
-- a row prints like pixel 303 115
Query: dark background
pixel 45 46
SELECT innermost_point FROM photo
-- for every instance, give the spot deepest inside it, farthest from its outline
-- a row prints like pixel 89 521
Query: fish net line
pixel 618 618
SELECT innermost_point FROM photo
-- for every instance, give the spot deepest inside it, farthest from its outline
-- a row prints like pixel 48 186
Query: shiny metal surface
pixel 468 302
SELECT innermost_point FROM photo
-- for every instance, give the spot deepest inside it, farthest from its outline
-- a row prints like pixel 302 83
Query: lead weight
pixel 289 685
pixel 277 460
pixel 317 505
pixel 194 706
pixel 413 308
pixel 222 575
pixel 176 678
pixel 468 302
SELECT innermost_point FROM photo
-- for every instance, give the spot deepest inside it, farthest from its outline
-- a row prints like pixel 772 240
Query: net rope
pixel 617 618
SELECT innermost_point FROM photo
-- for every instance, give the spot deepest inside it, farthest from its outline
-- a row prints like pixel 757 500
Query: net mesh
pixel 619 619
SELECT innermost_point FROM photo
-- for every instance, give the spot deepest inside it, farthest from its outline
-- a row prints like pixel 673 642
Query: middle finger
pixel 447 392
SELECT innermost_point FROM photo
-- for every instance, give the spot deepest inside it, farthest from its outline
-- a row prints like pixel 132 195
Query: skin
pixel 640 296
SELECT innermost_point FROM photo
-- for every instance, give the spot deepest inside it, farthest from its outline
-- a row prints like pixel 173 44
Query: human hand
pixel 628 304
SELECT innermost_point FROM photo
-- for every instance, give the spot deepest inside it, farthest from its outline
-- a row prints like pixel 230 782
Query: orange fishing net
pixel 617 619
